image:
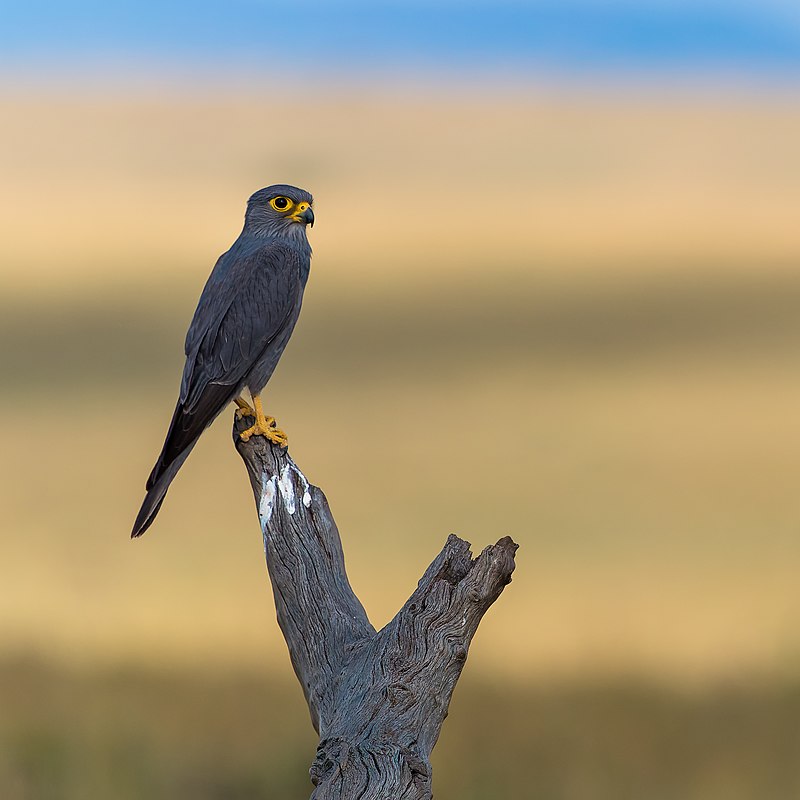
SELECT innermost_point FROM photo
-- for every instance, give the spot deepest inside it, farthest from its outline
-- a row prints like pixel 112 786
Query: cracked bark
pixel 377 698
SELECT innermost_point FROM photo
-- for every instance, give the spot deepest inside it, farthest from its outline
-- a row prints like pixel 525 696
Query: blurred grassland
pixel 162 735
pixel 573 320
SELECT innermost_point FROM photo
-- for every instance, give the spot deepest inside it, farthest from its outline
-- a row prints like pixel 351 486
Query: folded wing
pixel 247 303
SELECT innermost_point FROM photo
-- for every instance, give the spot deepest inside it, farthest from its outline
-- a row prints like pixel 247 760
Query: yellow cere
pixel 301 207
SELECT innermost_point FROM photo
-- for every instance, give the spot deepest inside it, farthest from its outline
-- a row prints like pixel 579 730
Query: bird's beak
pixel 306 216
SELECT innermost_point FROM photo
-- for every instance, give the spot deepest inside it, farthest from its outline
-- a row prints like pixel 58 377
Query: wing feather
pixel 239 325
pixel 248 300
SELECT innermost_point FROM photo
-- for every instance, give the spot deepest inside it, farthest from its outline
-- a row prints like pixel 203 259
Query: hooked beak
pixel 306 216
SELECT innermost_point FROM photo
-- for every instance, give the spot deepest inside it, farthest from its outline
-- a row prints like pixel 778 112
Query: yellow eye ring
pixel 281 204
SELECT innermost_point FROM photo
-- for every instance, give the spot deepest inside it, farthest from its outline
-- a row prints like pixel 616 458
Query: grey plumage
pixel 243 321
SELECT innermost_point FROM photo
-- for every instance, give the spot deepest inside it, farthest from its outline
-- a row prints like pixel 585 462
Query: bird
pixel 240 328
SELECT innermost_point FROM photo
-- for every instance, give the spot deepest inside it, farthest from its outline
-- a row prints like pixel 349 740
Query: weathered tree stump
pixel 377 698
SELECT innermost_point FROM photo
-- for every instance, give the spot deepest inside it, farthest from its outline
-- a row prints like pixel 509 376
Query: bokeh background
pixel 555 295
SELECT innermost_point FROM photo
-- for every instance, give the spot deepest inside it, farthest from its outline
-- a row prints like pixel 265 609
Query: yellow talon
pixel 265 426
pixel 244 409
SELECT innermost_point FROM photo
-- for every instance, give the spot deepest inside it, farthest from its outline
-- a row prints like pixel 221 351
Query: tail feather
pixel 156 494
pixel 184 431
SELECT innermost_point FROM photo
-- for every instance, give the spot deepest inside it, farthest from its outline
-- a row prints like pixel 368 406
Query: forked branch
pixel 377 698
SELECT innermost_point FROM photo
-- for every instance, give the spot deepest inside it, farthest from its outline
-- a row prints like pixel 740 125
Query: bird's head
pixel 280 210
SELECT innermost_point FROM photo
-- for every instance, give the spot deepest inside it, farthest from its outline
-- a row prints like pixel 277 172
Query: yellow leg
pixel 265 426
pixel 244 409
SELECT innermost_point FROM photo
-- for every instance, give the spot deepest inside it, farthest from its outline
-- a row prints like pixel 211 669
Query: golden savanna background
pixel 560 311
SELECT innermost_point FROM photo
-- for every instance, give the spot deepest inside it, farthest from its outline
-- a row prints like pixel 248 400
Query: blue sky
pixel 281 39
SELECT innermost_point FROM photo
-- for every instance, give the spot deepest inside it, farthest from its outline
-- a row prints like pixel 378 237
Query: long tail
pixel 156 494
pixel 183 433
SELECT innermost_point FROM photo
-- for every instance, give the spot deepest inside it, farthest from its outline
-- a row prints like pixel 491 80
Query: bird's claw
pixel 243 409
pixel 266 427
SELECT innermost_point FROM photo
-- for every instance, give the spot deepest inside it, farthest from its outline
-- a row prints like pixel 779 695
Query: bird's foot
pixel 267 427
pixel 244 409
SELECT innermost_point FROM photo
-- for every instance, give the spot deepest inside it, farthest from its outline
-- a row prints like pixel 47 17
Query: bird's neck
pixel 258 236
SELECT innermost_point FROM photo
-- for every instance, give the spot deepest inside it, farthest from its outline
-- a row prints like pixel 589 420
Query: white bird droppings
pixel 285 485
pixel 287 488
pixel 267 503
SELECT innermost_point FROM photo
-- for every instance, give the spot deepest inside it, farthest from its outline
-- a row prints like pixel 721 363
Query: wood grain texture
pixel 377 698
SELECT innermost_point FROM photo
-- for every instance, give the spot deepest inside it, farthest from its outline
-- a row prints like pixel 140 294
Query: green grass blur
pixel 577 324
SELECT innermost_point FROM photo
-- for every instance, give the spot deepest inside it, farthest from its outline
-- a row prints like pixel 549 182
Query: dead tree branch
pixel 377 698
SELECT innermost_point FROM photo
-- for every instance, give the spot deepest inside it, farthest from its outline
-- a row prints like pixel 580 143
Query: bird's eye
pixel 280 203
